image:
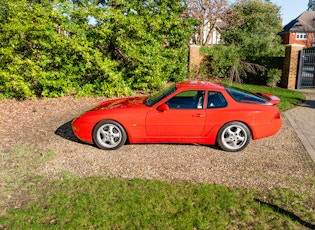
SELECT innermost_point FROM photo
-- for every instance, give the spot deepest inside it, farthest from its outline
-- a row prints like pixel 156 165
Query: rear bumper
pixel 266 129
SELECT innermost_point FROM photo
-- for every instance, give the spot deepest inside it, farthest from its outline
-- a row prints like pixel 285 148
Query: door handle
pixel 198 115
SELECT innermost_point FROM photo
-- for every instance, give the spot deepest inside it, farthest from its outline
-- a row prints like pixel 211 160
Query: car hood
pixel 130 102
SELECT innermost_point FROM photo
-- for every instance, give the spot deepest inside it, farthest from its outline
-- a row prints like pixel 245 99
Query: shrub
pixel 47 49
pixel 273 77
pixel 219 59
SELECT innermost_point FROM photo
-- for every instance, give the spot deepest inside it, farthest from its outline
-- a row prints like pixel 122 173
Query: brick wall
pixel 290 38
pixel 290 66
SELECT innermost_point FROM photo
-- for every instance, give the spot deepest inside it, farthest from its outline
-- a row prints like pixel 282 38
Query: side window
pixel 192 99
pixel 216 100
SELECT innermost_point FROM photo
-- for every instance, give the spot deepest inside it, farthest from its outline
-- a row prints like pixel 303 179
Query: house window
pixel 301 36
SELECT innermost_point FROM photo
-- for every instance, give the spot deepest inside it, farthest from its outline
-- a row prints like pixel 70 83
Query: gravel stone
pixel 43 125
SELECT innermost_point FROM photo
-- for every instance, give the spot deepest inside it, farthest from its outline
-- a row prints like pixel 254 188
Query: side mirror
pixel 163 107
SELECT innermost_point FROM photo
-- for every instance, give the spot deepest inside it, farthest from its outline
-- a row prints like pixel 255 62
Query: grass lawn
pixel 102 203
pixel 28 201
pixel 113 203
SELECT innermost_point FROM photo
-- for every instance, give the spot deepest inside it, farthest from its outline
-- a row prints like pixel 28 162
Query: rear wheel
pixel 234 136
pixel 109 135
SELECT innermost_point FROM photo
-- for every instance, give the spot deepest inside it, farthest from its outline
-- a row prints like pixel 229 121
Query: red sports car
pixel 187 112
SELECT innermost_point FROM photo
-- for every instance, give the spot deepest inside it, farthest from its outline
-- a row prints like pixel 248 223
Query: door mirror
pixel 163 107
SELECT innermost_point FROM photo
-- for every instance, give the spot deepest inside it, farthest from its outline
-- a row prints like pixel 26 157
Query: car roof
pixel 199 85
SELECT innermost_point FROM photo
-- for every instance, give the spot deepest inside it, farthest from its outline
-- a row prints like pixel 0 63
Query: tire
pixel 234 136
pixel 109 135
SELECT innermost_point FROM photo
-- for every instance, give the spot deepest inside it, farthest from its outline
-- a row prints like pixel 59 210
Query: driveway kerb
pixel 302 119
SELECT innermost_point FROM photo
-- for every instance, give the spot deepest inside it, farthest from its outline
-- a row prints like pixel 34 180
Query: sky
pixel 290 9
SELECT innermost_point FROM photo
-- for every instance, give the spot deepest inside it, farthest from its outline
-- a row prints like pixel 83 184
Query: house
pixel 214 37
pixel 300 30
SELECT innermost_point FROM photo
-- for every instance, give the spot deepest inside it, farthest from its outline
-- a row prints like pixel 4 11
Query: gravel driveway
pixel 44 125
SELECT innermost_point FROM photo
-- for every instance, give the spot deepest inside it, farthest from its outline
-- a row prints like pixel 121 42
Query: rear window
pixel 245 97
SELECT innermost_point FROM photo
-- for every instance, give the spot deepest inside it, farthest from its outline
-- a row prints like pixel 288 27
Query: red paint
pixel 160 124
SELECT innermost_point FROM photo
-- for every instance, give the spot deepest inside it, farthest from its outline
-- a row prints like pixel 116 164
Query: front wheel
pixel 109 135
pixel 234 136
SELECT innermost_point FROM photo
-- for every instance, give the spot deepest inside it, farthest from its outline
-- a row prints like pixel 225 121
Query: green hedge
pixel 131 46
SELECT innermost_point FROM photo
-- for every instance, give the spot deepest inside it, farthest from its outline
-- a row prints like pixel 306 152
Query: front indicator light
pixel 76 128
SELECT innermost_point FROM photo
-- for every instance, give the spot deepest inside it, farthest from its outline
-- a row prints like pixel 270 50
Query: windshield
pixel 245 97
pixel 153 99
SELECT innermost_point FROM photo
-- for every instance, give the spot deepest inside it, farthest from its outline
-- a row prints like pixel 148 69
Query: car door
pixel 216 110
pixel 184 116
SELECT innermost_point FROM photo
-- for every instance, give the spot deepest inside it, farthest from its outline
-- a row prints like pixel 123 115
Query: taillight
pixel 277 115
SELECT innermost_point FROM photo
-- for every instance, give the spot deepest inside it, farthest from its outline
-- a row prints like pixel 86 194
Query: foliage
pixel 274 77
pixel 225 61
pixel 49 50
pixel 149 41
pixel 311 5
pixel 38 61
pixel 254 28
pixel 220 59
pixel 250 41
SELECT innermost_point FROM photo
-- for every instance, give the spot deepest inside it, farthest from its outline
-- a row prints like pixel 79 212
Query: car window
pixel 153 99
pixel 192 99
pixel 245 97
pixel 216 100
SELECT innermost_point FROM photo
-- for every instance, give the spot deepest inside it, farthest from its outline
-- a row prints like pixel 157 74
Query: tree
pixel 36 60
pixel 149 40
pixel 311 5
pixel 250 40
pixel 227 62
pixel 207 12
pixel 254 28
pixel 134 45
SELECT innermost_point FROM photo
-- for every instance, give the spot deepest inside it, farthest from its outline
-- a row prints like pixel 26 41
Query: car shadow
pixel 65 131
pixel 308 104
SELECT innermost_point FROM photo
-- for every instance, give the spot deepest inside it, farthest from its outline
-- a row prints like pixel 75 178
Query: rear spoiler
pixel 272 99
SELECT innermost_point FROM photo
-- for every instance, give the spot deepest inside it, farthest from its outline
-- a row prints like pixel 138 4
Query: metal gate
pixel 306 74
